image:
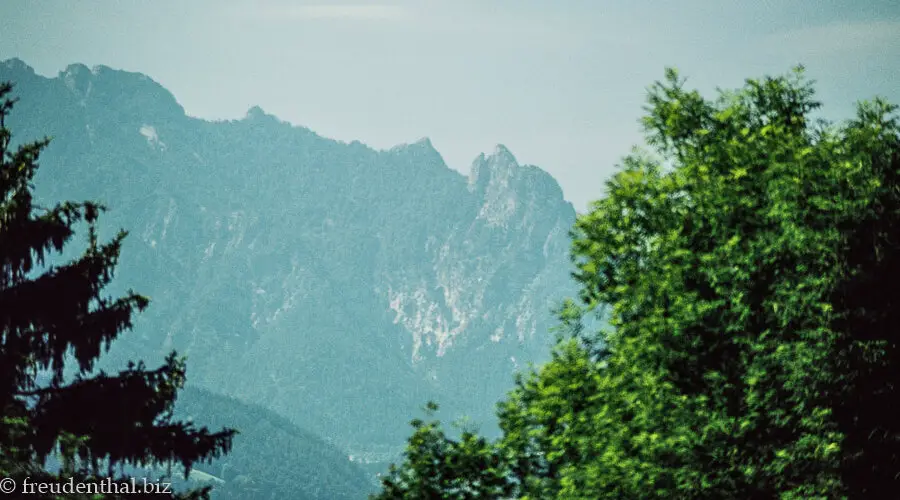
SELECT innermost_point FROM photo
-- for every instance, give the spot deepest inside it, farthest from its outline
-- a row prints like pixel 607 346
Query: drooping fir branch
pixel 51 315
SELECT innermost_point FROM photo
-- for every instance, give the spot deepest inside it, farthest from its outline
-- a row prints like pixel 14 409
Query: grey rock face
pixel 335 284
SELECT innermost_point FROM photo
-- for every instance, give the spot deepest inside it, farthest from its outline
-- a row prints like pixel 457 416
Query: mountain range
pixel 334 284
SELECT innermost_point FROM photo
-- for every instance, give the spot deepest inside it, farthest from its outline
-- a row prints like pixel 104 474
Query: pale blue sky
pixel 561 83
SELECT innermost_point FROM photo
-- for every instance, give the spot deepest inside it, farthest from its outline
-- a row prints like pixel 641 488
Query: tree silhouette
pixel 54 316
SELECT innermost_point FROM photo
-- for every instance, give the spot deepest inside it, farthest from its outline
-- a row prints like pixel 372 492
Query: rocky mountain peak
pixel 423 144
pixel 255 113
pixel 502 156
pixel 16 65
pixel 505 186
pixel 136 95
pixel 77 78
pixel 75 69
pixel 498 167
pixel 421 150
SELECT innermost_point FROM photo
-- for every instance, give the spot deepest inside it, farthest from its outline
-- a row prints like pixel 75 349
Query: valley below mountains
pixel 336 285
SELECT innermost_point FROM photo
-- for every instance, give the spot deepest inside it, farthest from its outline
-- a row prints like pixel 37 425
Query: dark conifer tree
pixel 54 315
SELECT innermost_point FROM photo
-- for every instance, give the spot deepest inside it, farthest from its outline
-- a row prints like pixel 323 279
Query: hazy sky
pixel 560 82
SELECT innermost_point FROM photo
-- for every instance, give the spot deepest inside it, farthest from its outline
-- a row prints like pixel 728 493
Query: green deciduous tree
pixel 53 315
pixel 750 267
pixel 437 466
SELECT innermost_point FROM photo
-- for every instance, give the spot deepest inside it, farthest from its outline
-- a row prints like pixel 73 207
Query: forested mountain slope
pixel 271 457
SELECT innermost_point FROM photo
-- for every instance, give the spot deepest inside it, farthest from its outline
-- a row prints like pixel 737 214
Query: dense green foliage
pixel 52 317
pixel 750 270
pixel 438 467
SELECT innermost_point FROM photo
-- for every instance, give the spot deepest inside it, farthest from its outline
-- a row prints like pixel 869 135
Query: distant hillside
pixel 271 458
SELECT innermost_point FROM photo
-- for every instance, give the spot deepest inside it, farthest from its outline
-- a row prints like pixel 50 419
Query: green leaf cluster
pixel 749 262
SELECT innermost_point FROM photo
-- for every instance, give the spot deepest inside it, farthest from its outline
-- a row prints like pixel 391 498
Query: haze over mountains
pixel 338 286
